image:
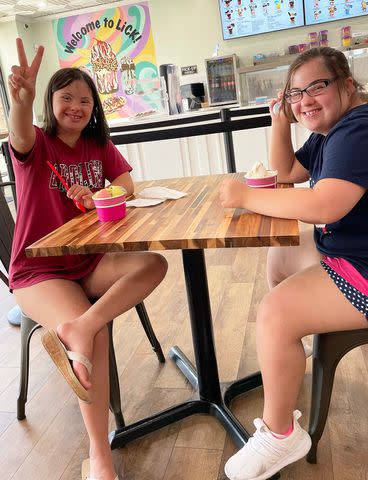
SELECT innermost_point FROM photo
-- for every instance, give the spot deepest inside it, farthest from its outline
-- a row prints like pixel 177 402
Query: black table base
pixel 204 377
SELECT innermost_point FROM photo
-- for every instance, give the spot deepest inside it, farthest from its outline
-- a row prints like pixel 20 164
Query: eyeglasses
pixel 316 88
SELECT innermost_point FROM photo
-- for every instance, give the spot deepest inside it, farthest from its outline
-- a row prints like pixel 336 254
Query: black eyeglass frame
pixel 289 98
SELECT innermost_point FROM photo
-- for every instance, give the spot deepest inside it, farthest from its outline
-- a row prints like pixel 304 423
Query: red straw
pixel 77 204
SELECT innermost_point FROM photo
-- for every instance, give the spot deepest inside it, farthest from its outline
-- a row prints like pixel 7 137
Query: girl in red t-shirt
pixel 55 292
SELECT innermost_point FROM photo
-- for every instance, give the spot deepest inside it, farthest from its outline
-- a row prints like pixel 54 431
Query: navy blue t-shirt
pixel 342 154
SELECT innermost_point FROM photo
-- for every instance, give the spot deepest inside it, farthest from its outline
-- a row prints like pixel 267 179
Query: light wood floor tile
pixel 189 463
pixel 51 443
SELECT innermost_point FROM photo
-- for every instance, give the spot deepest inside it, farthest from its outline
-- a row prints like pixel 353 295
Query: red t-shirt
pixel 43 205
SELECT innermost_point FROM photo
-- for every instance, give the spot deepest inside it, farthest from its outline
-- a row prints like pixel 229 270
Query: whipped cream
pixel 259 171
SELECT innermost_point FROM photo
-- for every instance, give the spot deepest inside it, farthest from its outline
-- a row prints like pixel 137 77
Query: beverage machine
pixel 171 75
pixel 223 80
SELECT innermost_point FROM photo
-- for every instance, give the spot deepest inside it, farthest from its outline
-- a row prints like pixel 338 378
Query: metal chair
pixel 328 350
pixel 29 326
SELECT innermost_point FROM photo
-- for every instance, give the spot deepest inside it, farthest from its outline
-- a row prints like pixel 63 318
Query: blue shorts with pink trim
pixel 349 281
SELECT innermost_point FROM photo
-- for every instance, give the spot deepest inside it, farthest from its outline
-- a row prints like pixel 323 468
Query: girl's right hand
pixel 22 81
pixel 275 108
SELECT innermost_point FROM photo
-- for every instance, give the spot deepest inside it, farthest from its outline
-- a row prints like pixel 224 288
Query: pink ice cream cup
pixel 110 208
pixel 268 181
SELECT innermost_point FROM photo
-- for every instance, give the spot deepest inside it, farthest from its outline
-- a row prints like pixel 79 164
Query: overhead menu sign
pixel 240 18
pixel 319 11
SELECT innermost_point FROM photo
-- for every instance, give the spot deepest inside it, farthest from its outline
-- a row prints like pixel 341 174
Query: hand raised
pixel 22 81
pixel 275 106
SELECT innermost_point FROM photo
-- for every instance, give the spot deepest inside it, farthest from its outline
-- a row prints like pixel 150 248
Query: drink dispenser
pixel 171 76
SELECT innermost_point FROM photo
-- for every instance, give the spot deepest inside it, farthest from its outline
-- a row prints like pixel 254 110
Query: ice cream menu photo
pixel 115 47
pixel 241 18
pixel 318 11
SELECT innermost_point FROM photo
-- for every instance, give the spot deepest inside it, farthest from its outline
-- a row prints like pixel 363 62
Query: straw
pixel 77 204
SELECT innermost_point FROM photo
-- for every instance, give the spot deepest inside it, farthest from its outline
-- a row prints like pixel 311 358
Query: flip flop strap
pixel 79 357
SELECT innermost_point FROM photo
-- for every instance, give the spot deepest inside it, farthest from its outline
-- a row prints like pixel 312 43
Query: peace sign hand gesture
pixel 22 81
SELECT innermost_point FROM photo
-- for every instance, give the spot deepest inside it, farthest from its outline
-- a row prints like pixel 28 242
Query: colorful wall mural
pixel 115 47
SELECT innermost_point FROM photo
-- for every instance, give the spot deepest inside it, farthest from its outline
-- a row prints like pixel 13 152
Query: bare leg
pixel 46 303
pixel 305 303
pixel 283 262
pixel 120 281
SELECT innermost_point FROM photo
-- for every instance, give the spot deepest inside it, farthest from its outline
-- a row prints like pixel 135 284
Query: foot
pixel 97 469
pixel 264 455
pixel 74 339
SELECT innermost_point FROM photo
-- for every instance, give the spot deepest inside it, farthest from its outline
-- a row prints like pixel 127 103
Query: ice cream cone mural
pixel 115 46
pixel 128 77
pixel 105 67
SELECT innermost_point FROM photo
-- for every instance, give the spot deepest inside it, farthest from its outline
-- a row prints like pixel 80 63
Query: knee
pixel 157 264
pixel 272 314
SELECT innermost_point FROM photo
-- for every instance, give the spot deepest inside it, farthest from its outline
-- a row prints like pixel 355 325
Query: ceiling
pixel 40 8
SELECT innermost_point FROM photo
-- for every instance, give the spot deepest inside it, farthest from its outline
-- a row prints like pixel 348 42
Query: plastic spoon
pixel 77 204
pixel 276 108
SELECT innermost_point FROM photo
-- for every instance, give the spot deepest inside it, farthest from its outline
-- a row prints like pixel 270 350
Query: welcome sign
pixel 115 47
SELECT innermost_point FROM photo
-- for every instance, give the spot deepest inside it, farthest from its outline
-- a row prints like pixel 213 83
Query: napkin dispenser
pixel 192 95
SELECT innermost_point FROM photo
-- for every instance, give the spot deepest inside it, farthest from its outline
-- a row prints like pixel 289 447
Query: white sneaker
pixel 264 455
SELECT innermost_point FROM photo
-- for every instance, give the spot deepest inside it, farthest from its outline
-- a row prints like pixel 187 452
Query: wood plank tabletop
pixel 195 221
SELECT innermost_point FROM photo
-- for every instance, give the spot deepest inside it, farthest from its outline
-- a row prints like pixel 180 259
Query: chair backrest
pixel 9 166
pixel 6 231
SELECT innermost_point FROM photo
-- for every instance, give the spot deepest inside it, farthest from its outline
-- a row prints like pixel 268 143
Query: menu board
pixel 240 18
pixel 318 11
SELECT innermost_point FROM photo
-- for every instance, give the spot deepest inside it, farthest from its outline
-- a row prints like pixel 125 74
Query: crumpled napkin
pixel 154 195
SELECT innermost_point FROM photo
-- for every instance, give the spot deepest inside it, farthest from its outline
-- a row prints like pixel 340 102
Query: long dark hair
pixel 335 62
pixel 97 127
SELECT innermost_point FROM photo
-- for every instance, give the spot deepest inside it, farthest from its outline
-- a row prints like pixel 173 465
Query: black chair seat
pixel 328 350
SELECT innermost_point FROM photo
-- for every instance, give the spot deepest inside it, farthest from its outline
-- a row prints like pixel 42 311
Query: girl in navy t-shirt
pixel 322 285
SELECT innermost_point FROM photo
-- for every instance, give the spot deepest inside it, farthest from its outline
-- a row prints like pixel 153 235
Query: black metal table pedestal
pixel 204 377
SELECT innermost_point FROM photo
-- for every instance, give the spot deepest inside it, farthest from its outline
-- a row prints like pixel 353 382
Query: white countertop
pixel 123 122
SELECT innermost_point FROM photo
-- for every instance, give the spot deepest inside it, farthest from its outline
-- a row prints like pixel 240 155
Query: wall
pixel 8 53
pixel 185 33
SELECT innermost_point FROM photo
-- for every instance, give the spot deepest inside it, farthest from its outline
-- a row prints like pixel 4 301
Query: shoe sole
pixel 294 457
pixel 85 471
pixel 58 355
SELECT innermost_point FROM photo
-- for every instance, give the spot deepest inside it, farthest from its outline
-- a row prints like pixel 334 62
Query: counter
pixel 197 142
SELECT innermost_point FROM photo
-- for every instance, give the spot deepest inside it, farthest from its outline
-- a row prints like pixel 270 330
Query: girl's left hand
pixel 81 194
pixel 233 194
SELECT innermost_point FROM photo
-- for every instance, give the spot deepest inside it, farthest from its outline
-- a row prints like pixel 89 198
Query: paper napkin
pixel 154 195
pixel 144 202
pixel 161 192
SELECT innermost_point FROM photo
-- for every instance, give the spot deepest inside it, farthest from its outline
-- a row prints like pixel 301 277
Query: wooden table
pixel 192 223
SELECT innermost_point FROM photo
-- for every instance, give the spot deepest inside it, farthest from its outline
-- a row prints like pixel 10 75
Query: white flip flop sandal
pixel 62 359
pixel 85 471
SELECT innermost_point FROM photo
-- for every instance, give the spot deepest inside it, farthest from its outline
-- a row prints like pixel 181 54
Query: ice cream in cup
pixel 260 177
pixel 110 203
